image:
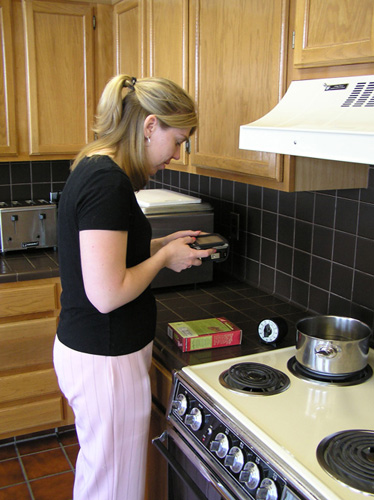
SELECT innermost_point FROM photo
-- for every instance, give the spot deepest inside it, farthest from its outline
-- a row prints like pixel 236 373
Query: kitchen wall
pixel 32 180
pixel 314 249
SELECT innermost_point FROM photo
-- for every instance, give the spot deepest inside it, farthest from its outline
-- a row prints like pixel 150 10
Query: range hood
pixel 331 119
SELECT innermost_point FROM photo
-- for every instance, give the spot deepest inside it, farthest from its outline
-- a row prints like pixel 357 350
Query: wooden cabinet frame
pixel 53 84
pixel 8 138
pixel 30 398
pixel 233 79
pixel 328 35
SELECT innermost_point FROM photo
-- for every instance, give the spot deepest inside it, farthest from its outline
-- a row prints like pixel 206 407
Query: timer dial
pixel 272 330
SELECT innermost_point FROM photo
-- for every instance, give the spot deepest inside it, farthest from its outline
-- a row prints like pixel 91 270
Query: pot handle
pixel 327 350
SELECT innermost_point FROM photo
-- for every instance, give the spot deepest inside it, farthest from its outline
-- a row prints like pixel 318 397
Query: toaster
pixel 28 224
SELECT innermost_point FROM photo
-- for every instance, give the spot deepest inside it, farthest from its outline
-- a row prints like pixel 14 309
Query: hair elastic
pixel 131 85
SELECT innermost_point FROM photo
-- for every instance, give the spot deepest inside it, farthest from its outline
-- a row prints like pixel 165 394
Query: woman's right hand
pixel 180 256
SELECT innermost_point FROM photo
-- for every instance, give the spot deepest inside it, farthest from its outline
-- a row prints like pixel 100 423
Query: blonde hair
pixel 120 120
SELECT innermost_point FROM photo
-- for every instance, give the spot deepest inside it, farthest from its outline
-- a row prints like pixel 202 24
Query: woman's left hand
pixel 158 243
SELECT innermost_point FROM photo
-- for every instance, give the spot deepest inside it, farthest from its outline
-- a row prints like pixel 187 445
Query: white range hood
pixel 331 119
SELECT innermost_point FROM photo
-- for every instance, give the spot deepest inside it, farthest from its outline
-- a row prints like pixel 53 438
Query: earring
pixel 149 140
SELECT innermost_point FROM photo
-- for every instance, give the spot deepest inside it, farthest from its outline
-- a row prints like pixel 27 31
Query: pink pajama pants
pixel 111 400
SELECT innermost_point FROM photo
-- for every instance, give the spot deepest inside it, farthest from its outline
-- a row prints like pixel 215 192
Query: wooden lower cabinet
pixel 156 482
pixel 30 398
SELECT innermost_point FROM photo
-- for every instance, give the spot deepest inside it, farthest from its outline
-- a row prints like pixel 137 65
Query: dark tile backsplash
pixel 32 180
pixel 313 249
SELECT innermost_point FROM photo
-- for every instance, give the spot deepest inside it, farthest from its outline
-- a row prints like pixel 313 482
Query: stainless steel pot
pixel 332 345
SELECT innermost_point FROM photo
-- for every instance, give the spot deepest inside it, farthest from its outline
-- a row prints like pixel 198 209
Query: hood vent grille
pixel 361 95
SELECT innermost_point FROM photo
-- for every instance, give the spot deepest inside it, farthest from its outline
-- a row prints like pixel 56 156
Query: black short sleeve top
pixel 99 195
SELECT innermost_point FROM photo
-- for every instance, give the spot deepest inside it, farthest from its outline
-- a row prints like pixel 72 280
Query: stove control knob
pixel 235 459
pixel 267 490
pixel 250 475
pixel 194 419
pixel 180 404
pixel 220 445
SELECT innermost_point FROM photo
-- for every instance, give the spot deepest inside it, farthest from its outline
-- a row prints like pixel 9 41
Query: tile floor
pixel 39 467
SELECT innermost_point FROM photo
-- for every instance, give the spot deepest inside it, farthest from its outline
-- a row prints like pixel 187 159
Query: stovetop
pixel 293 422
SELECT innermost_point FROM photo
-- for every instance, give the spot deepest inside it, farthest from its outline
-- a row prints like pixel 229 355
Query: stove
pixel 276 443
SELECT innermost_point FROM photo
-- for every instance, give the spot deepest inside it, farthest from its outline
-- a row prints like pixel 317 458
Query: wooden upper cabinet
pixel 167 30
pixel 333 32
pixel 60 75
pixel 167 45
pixel 7 94
pixel 128 36
pixel 237 74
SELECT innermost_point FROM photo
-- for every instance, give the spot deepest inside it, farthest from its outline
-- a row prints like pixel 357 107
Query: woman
pixel 103 346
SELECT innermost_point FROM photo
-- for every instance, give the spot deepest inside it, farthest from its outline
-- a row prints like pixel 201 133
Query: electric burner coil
pixel 348 456
pixel 254 378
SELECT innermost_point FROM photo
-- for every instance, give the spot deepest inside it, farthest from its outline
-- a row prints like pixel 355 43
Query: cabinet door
pixel 128 51
pixel 167 44
pixel 31 416
pixel 7 97
pixel 18 301
pixel 60 73
pixel 167 29
pixel 237 62
pixel 333 32
pixel 26 344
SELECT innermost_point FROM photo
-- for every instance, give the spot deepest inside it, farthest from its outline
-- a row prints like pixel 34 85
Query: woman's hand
pixel 180 256
pixel 158 243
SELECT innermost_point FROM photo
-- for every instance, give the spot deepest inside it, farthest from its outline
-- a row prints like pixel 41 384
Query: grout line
pixel 66 456
pixel 24 473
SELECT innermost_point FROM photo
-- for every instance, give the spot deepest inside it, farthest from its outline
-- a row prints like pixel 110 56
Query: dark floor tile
pixel 8 451
pixel 45 463
pixel 58 487
pixel 36 445
pixel 69 437
pixel 72 453
pixel 19 492
pixel 11 473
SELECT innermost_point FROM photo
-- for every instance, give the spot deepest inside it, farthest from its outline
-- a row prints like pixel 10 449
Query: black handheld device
pixel 212 240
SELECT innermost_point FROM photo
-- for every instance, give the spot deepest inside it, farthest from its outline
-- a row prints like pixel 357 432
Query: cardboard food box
pixel 204 334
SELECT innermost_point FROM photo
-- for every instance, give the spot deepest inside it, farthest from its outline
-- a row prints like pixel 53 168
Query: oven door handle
pixel 184 476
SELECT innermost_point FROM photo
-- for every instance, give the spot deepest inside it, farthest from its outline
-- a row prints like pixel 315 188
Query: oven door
pixel 189 476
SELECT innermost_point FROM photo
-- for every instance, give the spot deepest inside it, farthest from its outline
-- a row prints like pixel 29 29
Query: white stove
pixel 264 446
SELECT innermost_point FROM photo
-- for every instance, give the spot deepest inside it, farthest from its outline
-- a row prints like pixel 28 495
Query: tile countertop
pixel 29 265
pixel 238 302
pixel 242 304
